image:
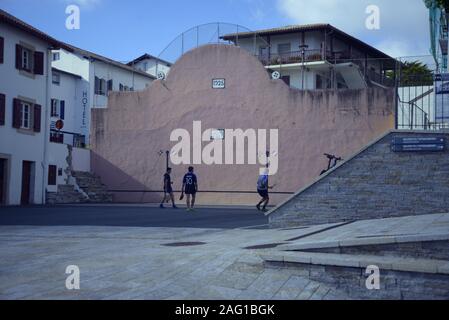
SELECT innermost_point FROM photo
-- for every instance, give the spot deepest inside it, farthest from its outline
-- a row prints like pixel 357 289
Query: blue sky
pixel 123 30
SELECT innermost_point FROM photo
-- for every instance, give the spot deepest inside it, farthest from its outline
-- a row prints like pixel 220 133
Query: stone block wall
pixel 376 183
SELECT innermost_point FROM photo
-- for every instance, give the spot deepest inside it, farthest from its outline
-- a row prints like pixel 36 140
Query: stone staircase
pixel 411 254
pixel 88 189
pixel 91 185
pixel 66 194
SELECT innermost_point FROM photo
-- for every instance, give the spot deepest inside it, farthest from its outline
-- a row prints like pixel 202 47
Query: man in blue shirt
pixel 190 188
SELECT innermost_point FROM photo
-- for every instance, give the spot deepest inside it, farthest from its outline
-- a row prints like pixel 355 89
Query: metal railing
pixel 333 58
pixel 422 98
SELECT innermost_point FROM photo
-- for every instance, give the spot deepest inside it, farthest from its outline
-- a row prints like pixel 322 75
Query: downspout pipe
pixel 46 125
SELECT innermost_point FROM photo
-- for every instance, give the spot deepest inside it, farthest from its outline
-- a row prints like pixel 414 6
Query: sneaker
pixel 175 207
pixel 161 206
pixel 187 209
pixel 258 207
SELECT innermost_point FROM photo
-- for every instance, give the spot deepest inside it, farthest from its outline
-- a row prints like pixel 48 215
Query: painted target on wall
pixel 276 75
pixel 161 75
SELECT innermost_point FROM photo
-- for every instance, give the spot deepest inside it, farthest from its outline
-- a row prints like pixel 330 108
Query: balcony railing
pixel 336 57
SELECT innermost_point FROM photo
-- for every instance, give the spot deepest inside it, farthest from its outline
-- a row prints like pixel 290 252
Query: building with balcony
pixel 318 56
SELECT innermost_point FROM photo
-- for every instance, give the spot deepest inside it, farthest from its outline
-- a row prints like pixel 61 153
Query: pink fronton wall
pixel 128 135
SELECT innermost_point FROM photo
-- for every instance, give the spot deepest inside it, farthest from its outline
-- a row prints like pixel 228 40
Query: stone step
pixel 92 186
pixel 399 278
pixel 431 246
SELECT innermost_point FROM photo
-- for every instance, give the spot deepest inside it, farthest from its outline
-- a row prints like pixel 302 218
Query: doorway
pixel 27 175
pixel 3 181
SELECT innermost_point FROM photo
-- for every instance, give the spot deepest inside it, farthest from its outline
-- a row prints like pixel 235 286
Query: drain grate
pixel 183 244
pixel 264 246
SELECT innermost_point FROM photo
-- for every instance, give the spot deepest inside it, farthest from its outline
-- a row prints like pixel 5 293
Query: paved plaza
pixel 135 263
pixel 209 254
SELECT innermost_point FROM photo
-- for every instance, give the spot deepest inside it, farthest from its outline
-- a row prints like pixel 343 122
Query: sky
pixel 124 30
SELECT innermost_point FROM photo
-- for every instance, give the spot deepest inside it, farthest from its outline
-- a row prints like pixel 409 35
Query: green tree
pixel 415 73
pixel 443 4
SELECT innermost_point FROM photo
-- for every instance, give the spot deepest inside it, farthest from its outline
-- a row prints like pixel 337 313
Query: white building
pixel 47 89
pixel 25 69
pixel 317 56
pixel 102 75
pixel 151 65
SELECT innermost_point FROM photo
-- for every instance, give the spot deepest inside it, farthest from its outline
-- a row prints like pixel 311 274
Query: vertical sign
pixel 442 98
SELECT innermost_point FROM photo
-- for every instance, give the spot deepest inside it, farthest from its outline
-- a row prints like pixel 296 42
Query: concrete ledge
pixel 361 261
pixel 354 242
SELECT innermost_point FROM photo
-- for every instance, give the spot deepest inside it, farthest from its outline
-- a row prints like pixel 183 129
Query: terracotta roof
pixel 17 23
pixel 308 27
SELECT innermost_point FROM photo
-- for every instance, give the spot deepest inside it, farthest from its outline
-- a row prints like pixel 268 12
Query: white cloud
pixel 404 28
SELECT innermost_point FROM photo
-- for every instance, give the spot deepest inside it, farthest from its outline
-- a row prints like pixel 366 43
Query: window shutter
pixel 18 56
pixel 52 175
pixel 37 118
pixel 62 109
pixel 97 85
pixel 39 63
pixel 16 114
pixel 2 109
pixel 110 85
pixel 2 49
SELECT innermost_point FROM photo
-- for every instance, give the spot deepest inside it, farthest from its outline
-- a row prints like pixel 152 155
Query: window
pixel 26 59
pixel 2 49
pixel 263 52
pixel 110 85
pixel 100 86
pixel 56 78
pixel 319 82
pixel 52 175
pixel 56 137
pixel 25 122
pixel 56 56
pixel 58 108
pixel 286 79
pixel 284 48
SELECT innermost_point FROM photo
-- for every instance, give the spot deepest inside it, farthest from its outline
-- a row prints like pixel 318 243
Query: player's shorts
pixel 190 191
pixel 169 190
pixel 263 193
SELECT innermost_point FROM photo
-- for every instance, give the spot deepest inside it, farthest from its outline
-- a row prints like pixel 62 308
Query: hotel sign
pixel 418 144
pixel 218 83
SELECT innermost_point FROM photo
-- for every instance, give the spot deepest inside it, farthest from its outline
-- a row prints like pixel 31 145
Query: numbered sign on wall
pixel 218 83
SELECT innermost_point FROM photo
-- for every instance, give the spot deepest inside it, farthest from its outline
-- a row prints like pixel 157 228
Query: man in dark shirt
pixel 168 190
pixel 262 189
pixel 190 188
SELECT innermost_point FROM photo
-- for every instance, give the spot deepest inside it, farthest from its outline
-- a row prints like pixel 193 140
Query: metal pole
pixel 182 44
pixel 237 36
pixel 167 153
